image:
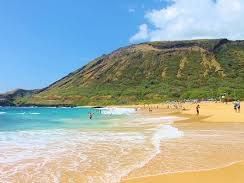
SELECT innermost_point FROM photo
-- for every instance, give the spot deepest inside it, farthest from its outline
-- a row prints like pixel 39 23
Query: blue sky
pixel 43 40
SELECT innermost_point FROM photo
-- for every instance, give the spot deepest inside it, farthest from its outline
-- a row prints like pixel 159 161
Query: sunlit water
pixel 64 145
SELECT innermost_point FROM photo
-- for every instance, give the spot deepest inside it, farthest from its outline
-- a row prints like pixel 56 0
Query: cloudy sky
pixel 193 19
pixel 43 40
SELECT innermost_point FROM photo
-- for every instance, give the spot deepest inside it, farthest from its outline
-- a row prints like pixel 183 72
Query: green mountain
pixel 152 72
pixel 10 98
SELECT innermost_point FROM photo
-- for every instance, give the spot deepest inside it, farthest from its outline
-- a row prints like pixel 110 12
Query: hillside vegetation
pixel 152 72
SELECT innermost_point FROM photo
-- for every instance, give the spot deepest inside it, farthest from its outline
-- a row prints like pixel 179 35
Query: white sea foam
pixel 22 113
pixel 163 133
pixel 34 113
pixel 72 150
pixel 2 113
pixel 117 111
pixel 56 145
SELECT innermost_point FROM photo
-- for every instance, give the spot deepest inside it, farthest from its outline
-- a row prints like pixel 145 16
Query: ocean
pixel 64 145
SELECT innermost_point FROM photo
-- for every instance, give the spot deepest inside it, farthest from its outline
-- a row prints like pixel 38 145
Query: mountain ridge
pixel 151 72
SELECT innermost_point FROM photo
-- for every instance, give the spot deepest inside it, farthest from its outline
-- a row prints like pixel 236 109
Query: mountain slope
pixel 9 98
pixel 152 72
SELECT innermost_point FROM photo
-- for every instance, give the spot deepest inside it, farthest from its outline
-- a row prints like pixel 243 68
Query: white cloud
pixel 194 19
pixel 142 34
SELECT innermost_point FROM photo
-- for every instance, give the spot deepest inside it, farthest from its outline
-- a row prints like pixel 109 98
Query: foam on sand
pixel 163 133
pixel 118 153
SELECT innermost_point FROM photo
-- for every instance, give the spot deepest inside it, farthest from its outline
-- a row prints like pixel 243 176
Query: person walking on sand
pixel 235 106
pixel 197 109
pixel 238 106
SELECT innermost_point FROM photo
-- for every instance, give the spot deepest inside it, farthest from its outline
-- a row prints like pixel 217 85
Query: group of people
pixel 93 112
pixel 237 107
pixel 90 115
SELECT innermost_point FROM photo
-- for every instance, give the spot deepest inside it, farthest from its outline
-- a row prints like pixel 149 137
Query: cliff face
pixel 152 72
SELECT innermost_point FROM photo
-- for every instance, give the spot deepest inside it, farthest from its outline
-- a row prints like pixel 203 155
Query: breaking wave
pixel 117 111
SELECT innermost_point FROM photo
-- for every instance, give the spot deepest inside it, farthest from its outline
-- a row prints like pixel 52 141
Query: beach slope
pixel 230 174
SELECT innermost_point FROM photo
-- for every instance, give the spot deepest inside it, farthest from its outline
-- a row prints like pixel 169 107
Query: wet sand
pixel 230 174
pixel 214 143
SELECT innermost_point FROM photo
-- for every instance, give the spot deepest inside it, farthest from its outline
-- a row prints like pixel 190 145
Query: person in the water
pixel 90 115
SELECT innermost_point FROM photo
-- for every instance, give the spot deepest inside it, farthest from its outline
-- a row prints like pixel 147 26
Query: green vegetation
pixel 153 72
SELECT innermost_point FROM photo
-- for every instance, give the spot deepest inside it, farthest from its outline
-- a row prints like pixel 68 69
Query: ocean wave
pixel 21 113
pixel 2 113
pixel 165 132
pixel 34 113
pixel 84 148
pixel 117 111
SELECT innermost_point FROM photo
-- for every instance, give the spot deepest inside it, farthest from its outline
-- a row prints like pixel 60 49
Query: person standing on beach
pixel 235 106
pixel 238 106
pixel 197 109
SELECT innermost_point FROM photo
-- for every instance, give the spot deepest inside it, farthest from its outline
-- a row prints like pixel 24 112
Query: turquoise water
pixel 19 119
pixel 63 144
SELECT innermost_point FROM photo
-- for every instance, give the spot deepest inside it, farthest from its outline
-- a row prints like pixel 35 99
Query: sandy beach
pixel 219 116
pixel 168 143
pixel 230 174
pixel 209 111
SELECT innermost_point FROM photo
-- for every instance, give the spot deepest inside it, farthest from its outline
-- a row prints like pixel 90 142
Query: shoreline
pixel 210 113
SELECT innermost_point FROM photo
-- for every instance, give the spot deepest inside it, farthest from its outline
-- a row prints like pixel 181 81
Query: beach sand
pixel 209 111
pixel 230 174
pixel 215 112
pixel 219 115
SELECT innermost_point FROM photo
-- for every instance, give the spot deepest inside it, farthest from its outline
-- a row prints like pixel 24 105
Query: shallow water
pixel 63 145
pixel 204 146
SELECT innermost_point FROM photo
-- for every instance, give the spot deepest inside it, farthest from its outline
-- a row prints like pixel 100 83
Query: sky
pixel 41 41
